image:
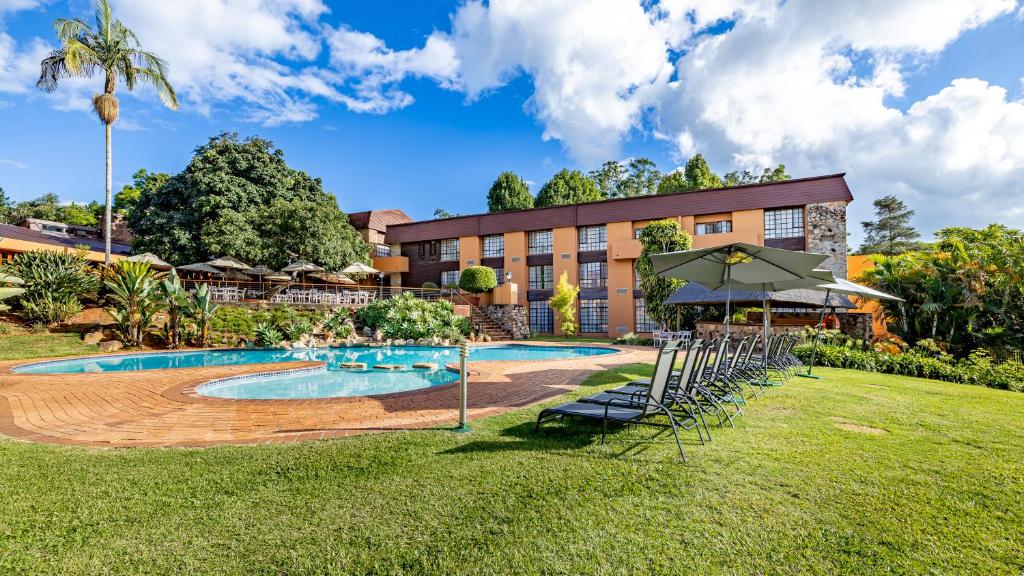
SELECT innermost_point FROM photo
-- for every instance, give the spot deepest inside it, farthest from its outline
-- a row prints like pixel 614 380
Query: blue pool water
pixel 333 381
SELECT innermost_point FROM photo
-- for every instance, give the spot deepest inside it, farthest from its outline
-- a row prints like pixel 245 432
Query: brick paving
pixel 161 408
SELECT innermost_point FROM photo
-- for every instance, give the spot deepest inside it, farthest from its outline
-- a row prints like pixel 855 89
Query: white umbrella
pixel 842 286
pixel 734 264
pixel 359 268
pixel 229 262
pixel 153 259
pixel 302 266
pixel 199 267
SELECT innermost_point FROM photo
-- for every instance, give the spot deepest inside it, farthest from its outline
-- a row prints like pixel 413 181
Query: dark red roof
pixel 796 192
pixel 19 233
pixel 378 219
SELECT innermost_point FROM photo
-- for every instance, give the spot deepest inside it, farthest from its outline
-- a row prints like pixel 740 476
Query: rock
pixel 111 346
pixel 354 365
pixel 387 367
pixel 485 338
pixel 299 345
pixel 93 337
pixel 425 365
pixel 410 342
pixel 367 332
pixel 378 335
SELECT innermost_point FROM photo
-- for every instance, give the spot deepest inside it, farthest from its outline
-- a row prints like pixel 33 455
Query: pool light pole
pixel 463 420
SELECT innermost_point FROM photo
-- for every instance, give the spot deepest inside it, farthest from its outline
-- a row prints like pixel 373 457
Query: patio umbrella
pixel 333 277
pixel 736 263
pixel 842 286
pixel 259 270
pixel 229 262
pixel 233 275
pixel 277 277
pixel 199 267
pixel 302 266
pixel 359 268
pixel 153 259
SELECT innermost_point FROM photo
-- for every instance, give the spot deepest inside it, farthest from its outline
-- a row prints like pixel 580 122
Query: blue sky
pixel 419 105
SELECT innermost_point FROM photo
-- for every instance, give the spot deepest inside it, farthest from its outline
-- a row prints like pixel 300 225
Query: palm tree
pixel 113 50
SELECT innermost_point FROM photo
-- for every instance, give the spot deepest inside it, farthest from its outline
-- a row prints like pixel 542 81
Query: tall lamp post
pixel 380 276
pixel 463 419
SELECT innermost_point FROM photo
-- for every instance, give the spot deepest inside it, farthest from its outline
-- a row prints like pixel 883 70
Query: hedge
pixel 478 279
pixel 978 369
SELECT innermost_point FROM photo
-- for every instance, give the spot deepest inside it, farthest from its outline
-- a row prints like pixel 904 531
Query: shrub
pixel 563 302
pixel 298 328
pixel 55 284
pixel 38 328
pixel 339 323
pixel 634 340
pixel 266 335
pixel 5 328
pixel 201 310
pixel 406 316
pixel 134 292
pixel 478 279
pixel 979 368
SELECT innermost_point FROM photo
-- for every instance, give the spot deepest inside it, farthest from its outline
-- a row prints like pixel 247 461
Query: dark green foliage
pixel 55 284
pixel 634 177
pixel 778 174
pixel 478 279
pixel 46 207
pixel 891 232
pixel 568 187
pixel 979 368
pixel 127 199
pixel 231 323
pixel 239 198
pixel 298 328
pixel 657 237
pixel 406 316
pixel 266 335
pixel 509 192
pixel 135 297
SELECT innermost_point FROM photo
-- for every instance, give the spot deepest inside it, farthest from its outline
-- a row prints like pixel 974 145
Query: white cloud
pixel 17 164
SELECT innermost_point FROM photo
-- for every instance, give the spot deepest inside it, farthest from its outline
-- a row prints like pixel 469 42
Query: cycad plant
pixel 201 309
pixel 54 284
pixel 9 288
pixel 136 300
pixel 177 301
pixel 113 50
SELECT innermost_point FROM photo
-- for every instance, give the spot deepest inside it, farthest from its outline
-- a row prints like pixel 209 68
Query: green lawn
pixel 933 485
pixel 44 345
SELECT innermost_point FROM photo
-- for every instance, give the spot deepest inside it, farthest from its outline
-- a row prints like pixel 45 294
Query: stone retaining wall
pixel 511 317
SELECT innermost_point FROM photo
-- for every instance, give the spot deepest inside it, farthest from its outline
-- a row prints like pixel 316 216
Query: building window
pixel 449 250
pixel 594 316
pixel 643 321
pixel 637 233
pixel 542 317
pixel 449 278
pixel 785 223
pixel 719 227
pixel 494 246
pixel 499 273
pixel 593 274
pixel 593 238
pixel 540 242
pixel 381 250
pixel 541 278
pixel 636 279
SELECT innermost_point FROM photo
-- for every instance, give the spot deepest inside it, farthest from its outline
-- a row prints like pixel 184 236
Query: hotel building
pixel 596 244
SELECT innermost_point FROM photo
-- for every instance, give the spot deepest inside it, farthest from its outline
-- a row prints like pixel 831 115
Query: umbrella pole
pixel 728 297
pixel 817 336
pixel 764 322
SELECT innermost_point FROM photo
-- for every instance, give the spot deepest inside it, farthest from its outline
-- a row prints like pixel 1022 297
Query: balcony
pixel 391 264
pixel 626 249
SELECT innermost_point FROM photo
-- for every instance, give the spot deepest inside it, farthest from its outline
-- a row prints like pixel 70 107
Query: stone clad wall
pixel 511 317
pixel 826 234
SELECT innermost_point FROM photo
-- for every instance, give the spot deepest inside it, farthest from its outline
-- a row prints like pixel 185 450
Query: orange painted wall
pixel 516 247
pixel 747 226
pixel 565 244
pixel 10 245
pixel 620 283
pixel 470 249
pixel 856 265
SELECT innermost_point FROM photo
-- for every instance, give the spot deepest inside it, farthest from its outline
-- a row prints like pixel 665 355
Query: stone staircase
pixel 482 323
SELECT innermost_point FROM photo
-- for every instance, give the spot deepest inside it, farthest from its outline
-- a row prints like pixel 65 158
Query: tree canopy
pixel 657 237
pixel 891 232
pixel 634 177
pixel 239 198
pixel 509 192
pixel 568 187
pixel 47 207
pixel 697 175
pixel 126 200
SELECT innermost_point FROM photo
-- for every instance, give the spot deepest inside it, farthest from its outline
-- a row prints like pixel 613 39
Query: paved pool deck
pixel 160 407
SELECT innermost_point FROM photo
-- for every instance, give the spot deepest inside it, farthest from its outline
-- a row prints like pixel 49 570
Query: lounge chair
pixel 642 410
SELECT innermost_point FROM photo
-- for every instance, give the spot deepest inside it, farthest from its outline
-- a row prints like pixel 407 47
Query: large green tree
pixel 568 187
pixel 50 207
pixel 891 232
pixel 608 178
pixel 509 192
pixel 657 237
pixel 126 200
pixel 6 208
pixel 777 174
pixel 634 177
pixel 113 50
pixel 239 198
pixel 696 175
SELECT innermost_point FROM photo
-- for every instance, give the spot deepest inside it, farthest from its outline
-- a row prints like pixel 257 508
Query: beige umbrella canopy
pixel 333 277
pixel 359 268
pixel 199 267
pixel 259 270
pixel 230 274
pixel 276 277
pixel 302 266
pixel 153 259
pixel 229 262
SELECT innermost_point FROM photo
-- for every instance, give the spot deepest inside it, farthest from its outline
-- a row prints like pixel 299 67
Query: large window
pixel 593 274
pixel 494 246
pixel 593 238
pixel 541 242
pixel 450 250
pixel 499 273
pixel 785 223
pixel 541 278
pixel 636 279
pixel 643 321
pixel 720 227
pixel 381 250
pixel 542 317
pixel 594 316
pixel 449 278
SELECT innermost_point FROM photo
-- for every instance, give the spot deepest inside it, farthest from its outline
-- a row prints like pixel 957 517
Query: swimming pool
pixel 328 382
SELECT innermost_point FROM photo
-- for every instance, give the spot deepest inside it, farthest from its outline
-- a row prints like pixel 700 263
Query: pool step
pixel 388 366
pixel 354 365
pixel 425 365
